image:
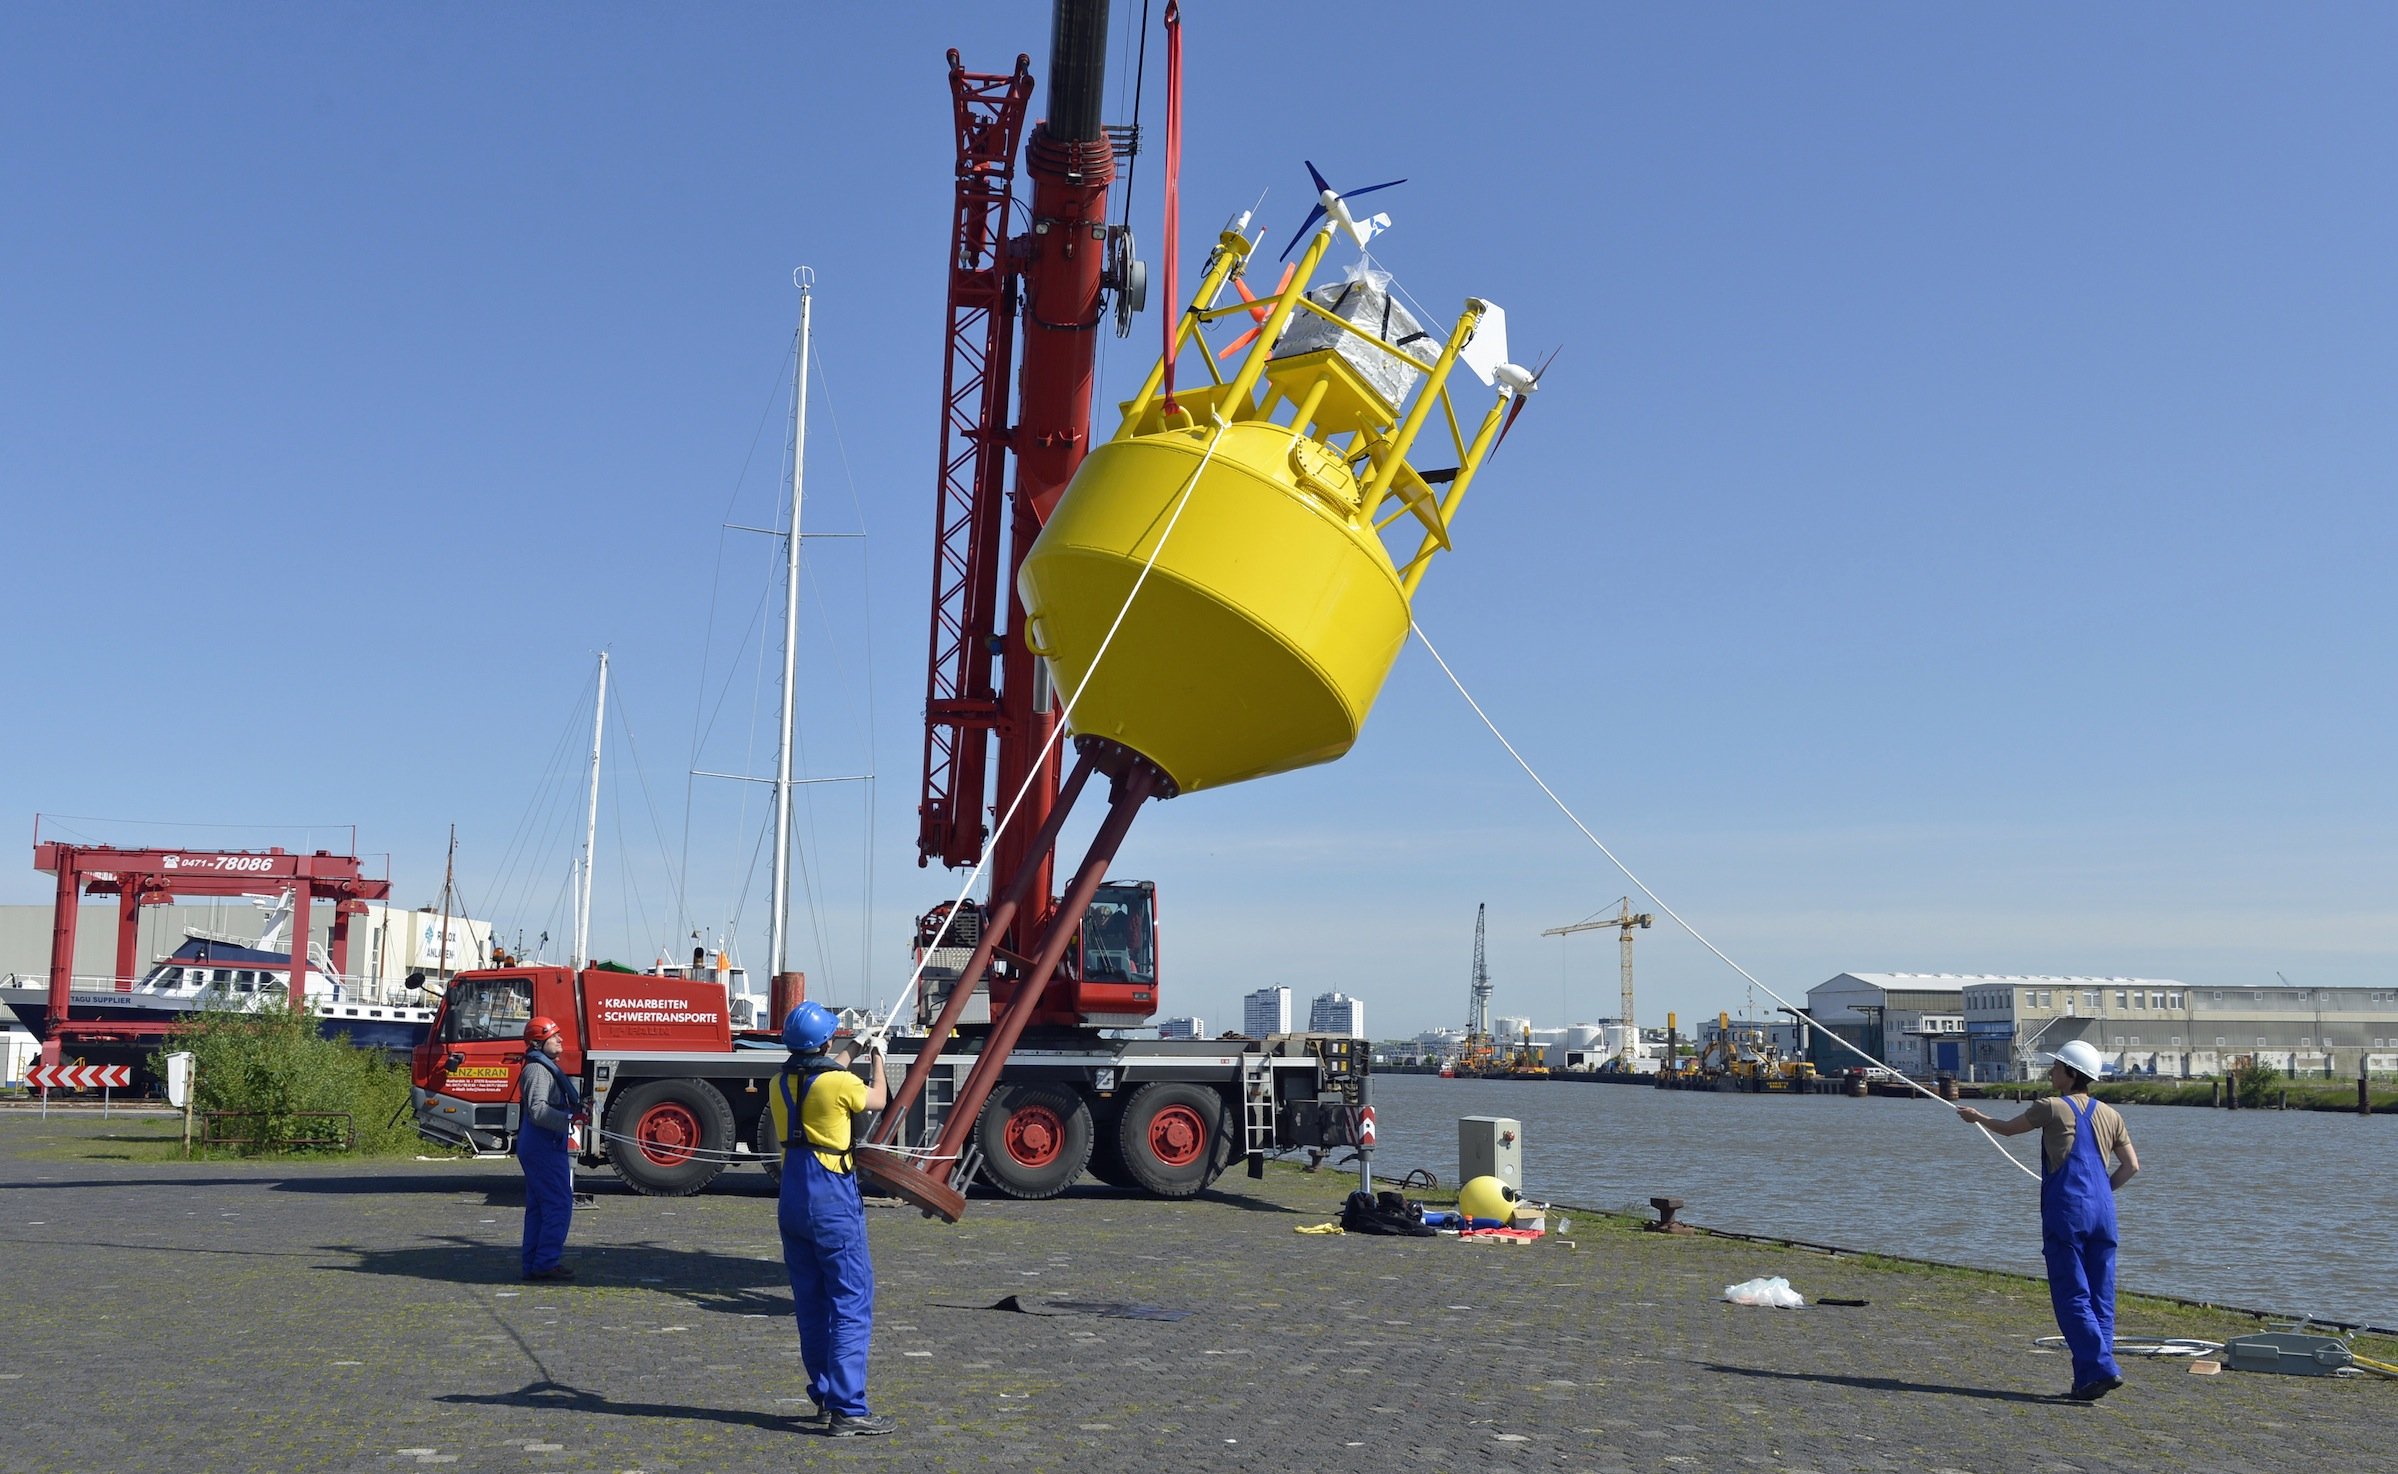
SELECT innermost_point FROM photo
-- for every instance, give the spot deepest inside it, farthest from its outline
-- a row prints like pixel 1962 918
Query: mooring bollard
pixel 1666 1209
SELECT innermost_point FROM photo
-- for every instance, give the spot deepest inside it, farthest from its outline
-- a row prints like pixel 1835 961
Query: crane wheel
pixel 769 1150
pixel 1174 1138
pixel 1035 1139
pixel 1107 1157
pixel 669 1138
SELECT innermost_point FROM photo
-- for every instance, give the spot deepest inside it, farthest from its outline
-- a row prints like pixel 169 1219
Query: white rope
pixel 730 1158
pixel 1678 920
pixel 1033 773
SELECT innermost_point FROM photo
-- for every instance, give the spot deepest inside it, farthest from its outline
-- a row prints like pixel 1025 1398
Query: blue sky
pixel 1955 535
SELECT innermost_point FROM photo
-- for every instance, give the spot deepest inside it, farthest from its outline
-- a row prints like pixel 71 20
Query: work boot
pixel 2092 1391
pixel 814 1417
pixel 554 1272
pixel 872 1425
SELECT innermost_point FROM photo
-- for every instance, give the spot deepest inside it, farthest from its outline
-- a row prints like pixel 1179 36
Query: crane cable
pixel 1182 500
pixel 1678 919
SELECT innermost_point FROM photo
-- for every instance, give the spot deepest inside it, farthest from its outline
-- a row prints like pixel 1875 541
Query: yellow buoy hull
pixel 1263 633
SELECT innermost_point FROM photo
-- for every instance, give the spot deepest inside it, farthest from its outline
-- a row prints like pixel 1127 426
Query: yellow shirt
pixel 828 1114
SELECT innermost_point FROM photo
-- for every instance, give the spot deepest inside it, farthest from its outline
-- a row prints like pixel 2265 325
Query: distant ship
pixel 213 971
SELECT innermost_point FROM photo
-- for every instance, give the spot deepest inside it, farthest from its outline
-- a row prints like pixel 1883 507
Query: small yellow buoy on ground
pixel 1488 1197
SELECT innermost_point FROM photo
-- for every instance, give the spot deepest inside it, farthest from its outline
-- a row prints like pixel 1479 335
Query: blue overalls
pixel 2077 1237
pixel 832 1275
pixel 549 1175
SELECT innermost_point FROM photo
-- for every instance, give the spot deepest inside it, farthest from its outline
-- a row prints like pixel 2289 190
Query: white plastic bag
pixel 1775 1292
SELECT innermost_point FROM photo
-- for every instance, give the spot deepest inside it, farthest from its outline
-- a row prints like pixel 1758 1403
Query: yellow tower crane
pixel 1623 921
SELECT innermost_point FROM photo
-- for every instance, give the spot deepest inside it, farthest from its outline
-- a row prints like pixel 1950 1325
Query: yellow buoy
pixel 1488 1197
pixel 1268 620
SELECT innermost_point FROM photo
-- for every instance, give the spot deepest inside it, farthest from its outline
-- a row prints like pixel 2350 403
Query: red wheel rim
pixel 668 1133
pixel 1177 1135
pixel 1034 1136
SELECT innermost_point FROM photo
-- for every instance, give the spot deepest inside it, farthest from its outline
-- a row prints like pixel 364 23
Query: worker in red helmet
pixel 548 1105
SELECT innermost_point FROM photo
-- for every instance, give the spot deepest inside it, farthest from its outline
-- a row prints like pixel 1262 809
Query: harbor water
pixel 2286 1211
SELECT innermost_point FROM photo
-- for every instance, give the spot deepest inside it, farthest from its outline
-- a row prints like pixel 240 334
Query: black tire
pixel 668 1138
pixel 1035 1139
pixel 769 1150
pixel 1107 1158
pixel 1174 1138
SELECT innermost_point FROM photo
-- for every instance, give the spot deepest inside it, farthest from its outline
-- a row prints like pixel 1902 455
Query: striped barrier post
pixel 103 1078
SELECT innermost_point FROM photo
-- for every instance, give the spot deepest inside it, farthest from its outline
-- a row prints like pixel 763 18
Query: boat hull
pixel 389 1028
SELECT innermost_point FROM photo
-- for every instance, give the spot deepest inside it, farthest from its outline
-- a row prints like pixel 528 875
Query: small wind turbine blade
pixel 1257 308
pixel 1517 408
pixel 1350 194
pixel 1237 344
pixel 1299 235
pixel 1314 174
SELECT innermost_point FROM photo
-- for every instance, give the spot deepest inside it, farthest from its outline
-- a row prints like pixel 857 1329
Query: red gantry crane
pixel 149 877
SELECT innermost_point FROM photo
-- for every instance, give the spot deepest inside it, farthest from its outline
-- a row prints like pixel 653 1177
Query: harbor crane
pixel 1624 921
pixel 1479 1052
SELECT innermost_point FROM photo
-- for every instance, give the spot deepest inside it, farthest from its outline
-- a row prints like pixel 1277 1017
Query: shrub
pixel 272 1066
pixel 2253 1081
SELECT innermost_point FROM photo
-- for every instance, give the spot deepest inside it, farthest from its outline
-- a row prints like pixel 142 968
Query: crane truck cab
pixel 659 1133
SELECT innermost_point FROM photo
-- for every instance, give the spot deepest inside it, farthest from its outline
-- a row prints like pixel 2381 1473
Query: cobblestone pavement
pixel 361 1317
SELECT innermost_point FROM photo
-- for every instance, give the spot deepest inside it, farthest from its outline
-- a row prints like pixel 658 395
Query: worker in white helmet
pixel 2078 1136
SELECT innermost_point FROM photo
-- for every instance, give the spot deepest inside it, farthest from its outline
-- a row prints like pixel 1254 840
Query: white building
pixel 1912 1021
pixel 1337 1013
pixel 1440 1044
pixel 2162 1027
pixel 386 943
pixel 1266 1011
pixel 1589 1046
pixel 1182 1028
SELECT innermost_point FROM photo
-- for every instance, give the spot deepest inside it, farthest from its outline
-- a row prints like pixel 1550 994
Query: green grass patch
pixel 284 1087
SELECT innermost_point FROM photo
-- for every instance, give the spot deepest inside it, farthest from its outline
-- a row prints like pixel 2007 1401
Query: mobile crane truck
pixel 676 1094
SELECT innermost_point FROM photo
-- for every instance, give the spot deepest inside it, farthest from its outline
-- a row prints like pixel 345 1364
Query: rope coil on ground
pixel 1695 933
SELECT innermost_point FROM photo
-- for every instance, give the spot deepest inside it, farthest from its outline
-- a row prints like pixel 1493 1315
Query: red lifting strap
pixel 1171 317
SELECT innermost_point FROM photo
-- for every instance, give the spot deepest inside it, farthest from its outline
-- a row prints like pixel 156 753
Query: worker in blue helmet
pixel 816 1101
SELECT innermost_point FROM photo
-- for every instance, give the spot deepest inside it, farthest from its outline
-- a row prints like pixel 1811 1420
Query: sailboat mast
pixel 778 915
pixel 599 717
pixel 449 879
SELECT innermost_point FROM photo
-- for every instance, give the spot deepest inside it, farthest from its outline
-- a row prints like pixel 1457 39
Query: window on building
pixel 2306 1043
pixel 2218 1041
pixel 2216 996
pixel 2260 1041
pixel 2089 997
pixel 2119 999
pixel 2260 995
pixel 2177 1041
pixel 2173 1000
pixel 2140 1000
pixel 2118 1041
